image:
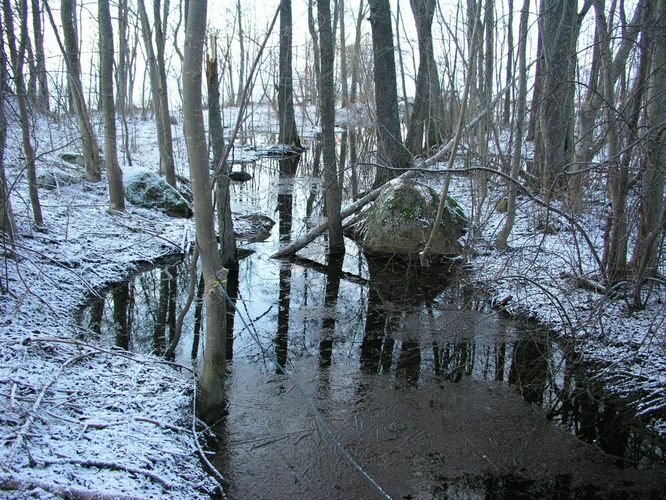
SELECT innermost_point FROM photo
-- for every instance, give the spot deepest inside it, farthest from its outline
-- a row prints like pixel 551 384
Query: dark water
pixel 431 392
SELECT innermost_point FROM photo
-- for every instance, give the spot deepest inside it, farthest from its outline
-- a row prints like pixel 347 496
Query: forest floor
pixel 81 419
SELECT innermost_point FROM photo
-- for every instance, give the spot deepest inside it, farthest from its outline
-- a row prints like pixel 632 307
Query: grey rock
pixel 149 190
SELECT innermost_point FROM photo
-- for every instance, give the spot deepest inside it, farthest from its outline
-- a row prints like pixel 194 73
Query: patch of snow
pixel 77 417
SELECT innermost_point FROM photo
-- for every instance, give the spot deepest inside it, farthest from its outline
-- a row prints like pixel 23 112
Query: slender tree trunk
pixel 653 180
pixel 43 97
pixel 391 152
pixel 212 373
pixel 591 106
pixel 316 62
pixel 7 224
pixel 288 133
pixel 113 173
pixel 71 54
pixel 17 54
pixel 502 237
pixel 222 197
pixel 162 120
pixel 241 43
pixel 506 115
pixel 428 102
pixel 327 104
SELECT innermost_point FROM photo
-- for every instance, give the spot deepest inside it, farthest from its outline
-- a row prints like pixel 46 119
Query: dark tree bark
pixel 73 63
pixel 327 104
pixel 17 55
pixel 43 97
pixel 288 132
pixel 428 103
pixel 212 372
pixel 216 131
pixel 113 173
pixel 502 237
pixel 316 63
pixel 506 114
pixel 7 225
pixel 157 72
pixel 653 180
pixel 559 27
pixel 391 152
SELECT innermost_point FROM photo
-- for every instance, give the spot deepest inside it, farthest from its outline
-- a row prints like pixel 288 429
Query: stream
pixel 355 376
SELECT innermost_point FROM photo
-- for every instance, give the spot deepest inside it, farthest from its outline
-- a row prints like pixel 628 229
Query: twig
pixel 20 437
pixel 13 484
pixel 100 464
pixel 121 353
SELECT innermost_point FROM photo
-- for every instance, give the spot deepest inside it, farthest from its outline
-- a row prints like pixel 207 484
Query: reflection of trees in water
pixel 530 367
pixel 122 315
pixel 397 289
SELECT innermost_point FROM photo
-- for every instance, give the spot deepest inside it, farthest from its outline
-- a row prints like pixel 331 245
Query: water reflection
pixel 348 326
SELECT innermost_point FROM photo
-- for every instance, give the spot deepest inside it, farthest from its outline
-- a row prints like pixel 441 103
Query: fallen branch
pixel 20 436
pixel 121 353
pixel 100 464
pixel 12 484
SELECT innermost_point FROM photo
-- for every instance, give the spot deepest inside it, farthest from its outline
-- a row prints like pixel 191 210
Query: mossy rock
pixel 149 190
pixel 400 221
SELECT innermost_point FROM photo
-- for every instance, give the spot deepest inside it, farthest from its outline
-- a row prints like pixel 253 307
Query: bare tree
pixel 157 72
pixel 653 176
pixel 288 133
pixel 17 55
pixel 336 244
pixel 428 103
pixel 42 96
pixel 391 152
pixel 559 26
pixel 7 225
pixel 70 51
pixel 316 63
pixel 216 131
pixel 516 158
pixel 114 175
pixel 197 150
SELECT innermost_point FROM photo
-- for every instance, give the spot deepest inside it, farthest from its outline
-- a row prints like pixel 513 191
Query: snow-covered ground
pixel 79 418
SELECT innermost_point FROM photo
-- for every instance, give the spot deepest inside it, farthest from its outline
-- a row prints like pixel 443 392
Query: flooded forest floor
pixel 344 379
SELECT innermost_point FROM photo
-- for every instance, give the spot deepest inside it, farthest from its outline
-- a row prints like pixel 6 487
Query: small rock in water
pixel 239 176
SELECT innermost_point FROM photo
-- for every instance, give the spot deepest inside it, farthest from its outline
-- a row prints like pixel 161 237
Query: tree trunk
pixel 71 54
pixel 316 63
pixel 428 103
pixel 222 197
pixel 43 96
pixel 336 244
pixel 559 25
pixel 391 152
pixel 503 236
pixel 7 224
pixel 160 101
pixel 506 115
pixel 113 173
pixel 652 205
pixel 241 42
pixel 593 102
pixel 17 55
pixel 288 133
pixel 212 372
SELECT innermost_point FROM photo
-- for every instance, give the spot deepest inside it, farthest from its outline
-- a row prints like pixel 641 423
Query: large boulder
pixel 400 221
pixel 149 190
